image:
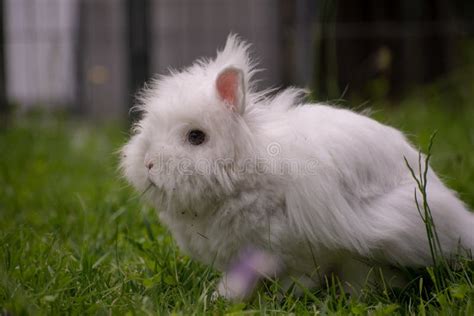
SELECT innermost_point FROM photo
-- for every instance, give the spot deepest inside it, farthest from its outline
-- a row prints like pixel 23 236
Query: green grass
pixel 75 239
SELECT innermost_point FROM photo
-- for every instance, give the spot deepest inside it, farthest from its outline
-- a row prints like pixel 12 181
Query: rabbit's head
pixel 193 132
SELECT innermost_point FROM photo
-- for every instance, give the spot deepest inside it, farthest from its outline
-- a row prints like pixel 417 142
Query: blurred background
pixel 89 57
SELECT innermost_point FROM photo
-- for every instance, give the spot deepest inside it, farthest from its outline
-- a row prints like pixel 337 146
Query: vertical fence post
pixel 3 92
pixel 138 28
pixel 80 46
pixel 287 12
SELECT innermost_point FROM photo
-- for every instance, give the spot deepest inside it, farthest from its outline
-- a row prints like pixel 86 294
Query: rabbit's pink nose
pixel 149 165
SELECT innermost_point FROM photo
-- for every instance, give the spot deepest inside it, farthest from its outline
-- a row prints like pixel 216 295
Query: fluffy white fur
pixel 323 189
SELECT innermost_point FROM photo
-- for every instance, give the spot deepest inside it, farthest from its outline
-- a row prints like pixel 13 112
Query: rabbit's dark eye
pixel 196 137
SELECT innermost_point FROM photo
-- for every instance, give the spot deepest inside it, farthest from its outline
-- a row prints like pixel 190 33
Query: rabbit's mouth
pixel 148 187
pixel 151 183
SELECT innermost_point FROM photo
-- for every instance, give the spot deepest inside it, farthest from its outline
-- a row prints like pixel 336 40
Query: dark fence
pixel 92 55
pixel 3 92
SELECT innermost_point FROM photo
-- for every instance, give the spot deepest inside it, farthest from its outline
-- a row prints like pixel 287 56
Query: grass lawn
pixel 75 239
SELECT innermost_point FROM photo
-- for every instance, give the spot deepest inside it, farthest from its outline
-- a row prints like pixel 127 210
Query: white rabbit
pixel 317 188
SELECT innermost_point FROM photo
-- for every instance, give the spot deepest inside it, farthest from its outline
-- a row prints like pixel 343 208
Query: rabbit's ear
pixel 230 86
